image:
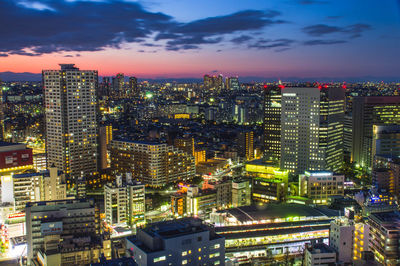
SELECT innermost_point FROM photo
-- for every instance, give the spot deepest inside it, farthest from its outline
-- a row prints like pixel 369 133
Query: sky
pixel 190 38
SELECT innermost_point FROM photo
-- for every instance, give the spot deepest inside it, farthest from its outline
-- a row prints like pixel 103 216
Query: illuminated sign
pixel 16 215
pixel 51 228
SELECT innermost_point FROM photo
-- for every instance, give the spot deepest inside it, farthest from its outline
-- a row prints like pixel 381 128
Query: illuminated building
pixel 390 165
pixel 246 145
pixel 223 191
pixel 40 161
pixel 384 239
pixel 133 90
pixel 320 185
pixel 272 122
pixel 312 129
pixel 269 182
pixel 200 202
pixel 185 144
pixel 65 232
pixel 199 156
pixel 42 186
pixel 105 137
pixel 360 240
pixel 71 125
pixel 385 141
pixel 118 86
pixel 369 111
pixel 215 83
pixel 383 179
pixel 319 254
pixel 124 202
pixel 270 230
pixel 232 83
pixel 341 239
pixel 153 164
pixel 241 193
pixel 1 114
pixel 178 204
pixel 184 241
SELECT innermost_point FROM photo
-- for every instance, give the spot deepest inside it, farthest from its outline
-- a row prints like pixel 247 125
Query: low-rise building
pixel 319 254
pixel 241 193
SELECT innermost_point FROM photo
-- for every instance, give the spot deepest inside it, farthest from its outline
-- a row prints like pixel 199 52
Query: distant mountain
pixel 25 76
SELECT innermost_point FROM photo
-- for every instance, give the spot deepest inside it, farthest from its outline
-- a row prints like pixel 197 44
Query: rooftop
pixel 175 228
pixel 320 248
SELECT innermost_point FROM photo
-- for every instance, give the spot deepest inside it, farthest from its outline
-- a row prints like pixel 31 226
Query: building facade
pixel 272 122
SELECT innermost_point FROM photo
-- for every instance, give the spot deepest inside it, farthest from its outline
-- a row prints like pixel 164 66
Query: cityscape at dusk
pixel 182 132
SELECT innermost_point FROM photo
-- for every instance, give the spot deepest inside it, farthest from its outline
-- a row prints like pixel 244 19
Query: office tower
pixel 319 186
pixel 385 141
pixel 269 182
pixel 232 83
pixel 65 232
pixel 272 122
pixel 118 86
pixel 241 193
pixel 153 164
pixel 369 111
pixel 312 129
pixel 124 202
pixel 185 144
pixel 246 145
pixel 184 241
pixel 385 237
pixel 104 88
pixel 347 135
pixel 386 174
pixel 2 137
pixel 341 235
pixel 105 137
pixel 133 87
pixel 319 254
pixel 71 125
pixel 41 186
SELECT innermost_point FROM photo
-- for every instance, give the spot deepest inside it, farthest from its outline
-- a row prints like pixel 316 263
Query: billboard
pixel 54 228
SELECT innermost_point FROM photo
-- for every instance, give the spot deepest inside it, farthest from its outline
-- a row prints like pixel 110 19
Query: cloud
pixel 333 17
pixel 241 39
pixel 323 42
pixel 42 26
pixel 311 2
pixel 3 55
pixel 353 31
pixel 262 44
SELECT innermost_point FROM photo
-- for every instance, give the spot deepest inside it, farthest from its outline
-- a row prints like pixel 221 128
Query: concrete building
pixel 385 141
pixel 272 122
pixel 124 202
pixel 320 185
pixel 360 240
pixel 369 111
pixel 153 164
pixel 71 123
pixel 42 186
pixel 312 129
pixel 390 178
pixel 184 241
pixel 200 202
pixel 319 254
pixel 105 137
pixel 241 193
pixel 186 145
pixel 385 237
pixel 341 239
pixel 246 145
pixel 232 83
pixel 65 232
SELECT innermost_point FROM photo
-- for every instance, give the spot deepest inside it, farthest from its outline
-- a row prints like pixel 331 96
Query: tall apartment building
pixel 385 141
pixel 369 111
pixel 124 202
pixel 246 145
pixel 320 185
pixel 71 125
pixel 105 137
pixel 65 232
pixel 312 129
pixel 42 186
pixel 153 164
pixel 185 144
pixel 184 241
pixel 272 123
pixel 385 237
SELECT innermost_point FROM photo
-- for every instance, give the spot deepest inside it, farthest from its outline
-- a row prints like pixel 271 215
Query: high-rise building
pixel 124 202
pixel 386 174
pixel 272 122
pixel 71 125
pixel 185 144
pixel 369 111
pixel 246 145
pixel 105 137
pixel 65 232
pixel 154 164
pixel 312 129
pixel 1 114
pixel 232 83
pixel 320 185
pixel 385 141
pixel 133 90
pixel 118 86
pixel 104 91
pixel 184 241
pixel 384 239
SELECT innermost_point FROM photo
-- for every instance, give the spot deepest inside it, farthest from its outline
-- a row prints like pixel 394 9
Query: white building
pixel 71 127
pixel 341 239
pixel 312 129
pixel 319 254
pixel 124 203
pixel 184 241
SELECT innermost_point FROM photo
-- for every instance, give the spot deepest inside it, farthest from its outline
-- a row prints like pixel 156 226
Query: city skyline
pixel 162 39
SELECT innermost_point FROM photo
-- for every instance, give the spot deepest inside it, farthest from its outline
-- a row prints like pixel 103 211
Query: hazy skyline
pixel 150 39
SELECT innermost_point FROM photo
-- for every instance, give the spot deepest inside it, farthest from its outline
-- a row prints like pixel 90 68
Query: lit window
pixel 184 253
pixel 162 258
pixel 184 262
